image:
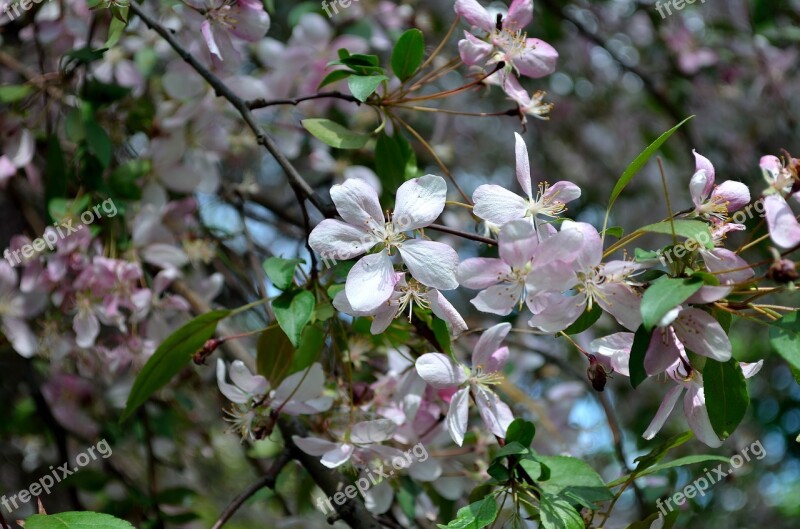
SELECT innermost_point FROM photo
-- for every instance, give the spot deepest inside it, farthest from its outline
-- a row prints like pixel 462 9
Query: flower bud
pixel 209 347
pixel 783 271
pixel 596 373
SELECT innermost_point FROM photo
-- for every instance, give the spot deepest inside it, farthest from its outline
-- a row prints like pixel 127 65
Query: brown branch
pixel 264 103
pixel 266 481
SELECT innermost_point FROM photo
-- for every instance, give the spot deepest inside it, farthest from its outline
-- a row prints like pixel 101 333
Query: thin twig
pixel 264 103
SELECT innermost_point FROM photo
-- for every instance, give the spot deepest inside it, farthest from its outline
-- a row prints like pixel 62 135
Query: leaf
pixel 520 431
pixel 311 344
pixel 682 462
pixel 658 453
pixel 535 469
pixel 281 271
pixel 275 355
pixel 641 343
pixel 119 22
pixel 726 395
pixel 558 513
pixel 170 357
pixel 568 474
pixel 408 54
pixel 293 312
pixel 475 515
pixel 333 134
pixel 639 162
pixel 98 142
pixel 124 180
pixel 615 231
pixel 693 230
pixel 14 93
pixel 665 294
pixel 55 171
pixel 784 335
pixel 585 320
pixel 100 93
pixel 394 161
pixel 647 523
pixel 511 449
pixel 75 520
pixel 364 86
pixel 334 77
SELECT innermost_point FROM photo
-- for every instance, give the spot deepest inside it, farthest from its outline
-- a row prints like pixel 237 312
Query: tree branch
pixel 264 103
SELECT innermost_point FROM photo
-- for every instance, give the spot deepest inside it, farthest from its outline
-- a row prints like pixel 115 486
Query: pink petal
pixel 499 299
pixel 86 328
pixel 475 14
pixel 518 243
pixel 538 59
pixel 208 36
pixel 520 14
pixel 369 432
pixel 783 226
pixel 614 351
pixel 338 456
pixel 704 164
pixel 231 392
pixel 663 351
pixel 252 21
pixel 481 272
pixel 244 379
pixel 22 339
pixel 721 259
pixel 694 406
pixel 442 308
pixel 440 371
pixel 663 412
pixel 370 282
pixel 489 344
pixel 301 386
pixel 560 312
pixel 474 51
pixel 702 334
pixel 622 302
pixel 563 191
pixel 736 194
pixel 495 413
pixel 313 446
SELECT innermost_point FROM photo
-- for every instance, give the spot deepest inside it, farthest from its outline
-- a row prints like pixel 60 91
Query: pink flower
pixel 505 41
pixel 694 402
pixel 14 308
pixel 497 205
pixel 372 280
pixel 560 292
pixel 488 359
pixel 784 229
pixel 503 281
pixel 245 19
pixel 362 442
pixel 529 104
pixel 715 202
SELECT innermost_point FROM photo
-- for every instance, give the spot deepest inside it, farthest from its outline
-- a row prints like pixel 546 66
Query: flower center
pixel 410 295
pixel 546 203
pixel 512 41
pixel 486 378
pixel 715 208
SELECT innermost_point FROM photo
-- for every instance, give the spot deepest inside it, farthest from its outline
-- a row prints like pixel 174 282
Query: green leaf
pixel 784 335
pixel 682 462
pixel 14 93
pixel 585 320
pixel 364 86
pixel 568 474
pixel 498 471
pixel 311 344
pixel 334 77
pixel 558 513
pixel 615 231
pixel 535 469
pixel 333 134
pixel 75 520
pixel 408 54
pixel 281 271
pixel 520 431
pixel 55 171
pixel 641 343
pixel 124 181
pixel 639 162
pixel 119 22
pixel 658 453
pixel 100 93
pixel 293 312
pixel 726 395
pixel 98 142
pixel 442 334
pixel 511 449
pixel 171 356
pixel 393 156
pixel 476 515
pixel 665 294
pixel 275 355
pixel 693 230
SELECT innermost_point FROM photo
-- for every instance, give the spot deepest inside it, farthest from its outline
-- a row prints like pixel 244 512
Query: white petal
pixel 499 299
pixel 335 240
pixel 623 303
pixel 616 348
pixel 702 334
pixel 338 456
pixel 419 202
pixel 783 226
pixel 442 308
pixel 497 204
pixel 488 344
pixel 458 415
pixel 314 446
pixel 694 406
pixel 440 371
pixel 370 282
pixel 751 369
pixel 231 392
pixel 301 386
pixel 481 272
pixel 433 264
pixel 523 165
pixel 357 203
pixel 22 339
pixel 244 379
pixel 369 432
pixel 518 243
pixel 495 413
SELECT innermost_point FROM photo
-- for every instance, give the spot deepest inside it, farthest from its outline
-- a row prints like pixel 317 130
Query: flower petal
pixel 702 334
pixel 457 416
pixel 433 264
pixel 489 343
pixel 442 308
pixel 208 36
pixel 497 204
pixel 523 165
pixel 694 406
pixel 370 432
pixel 664 349
pixel 336 240
pixel 244 379
pixel 721 259
pixel 231 392
pixel 622 302
pixel 663 412
pixel 735 194
pixel 614 351
pixel 481 272
pixel 784 230
pixel 518 242
pixel 370 282
pixel 22 338
pixel 419 202
pixel 538 59
pixel 338 456
pixel 440 371
pixel 520 14
pixel 495 413
pixel 559 311
pixel 475 14
pixel 357 203
pixel 304 385
pixel 473 51
pixel 702 163
pixel 499 299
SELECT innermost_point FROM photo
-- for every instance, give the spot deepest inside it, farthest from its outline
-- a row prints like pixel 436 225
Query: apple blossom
pixel 715 202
